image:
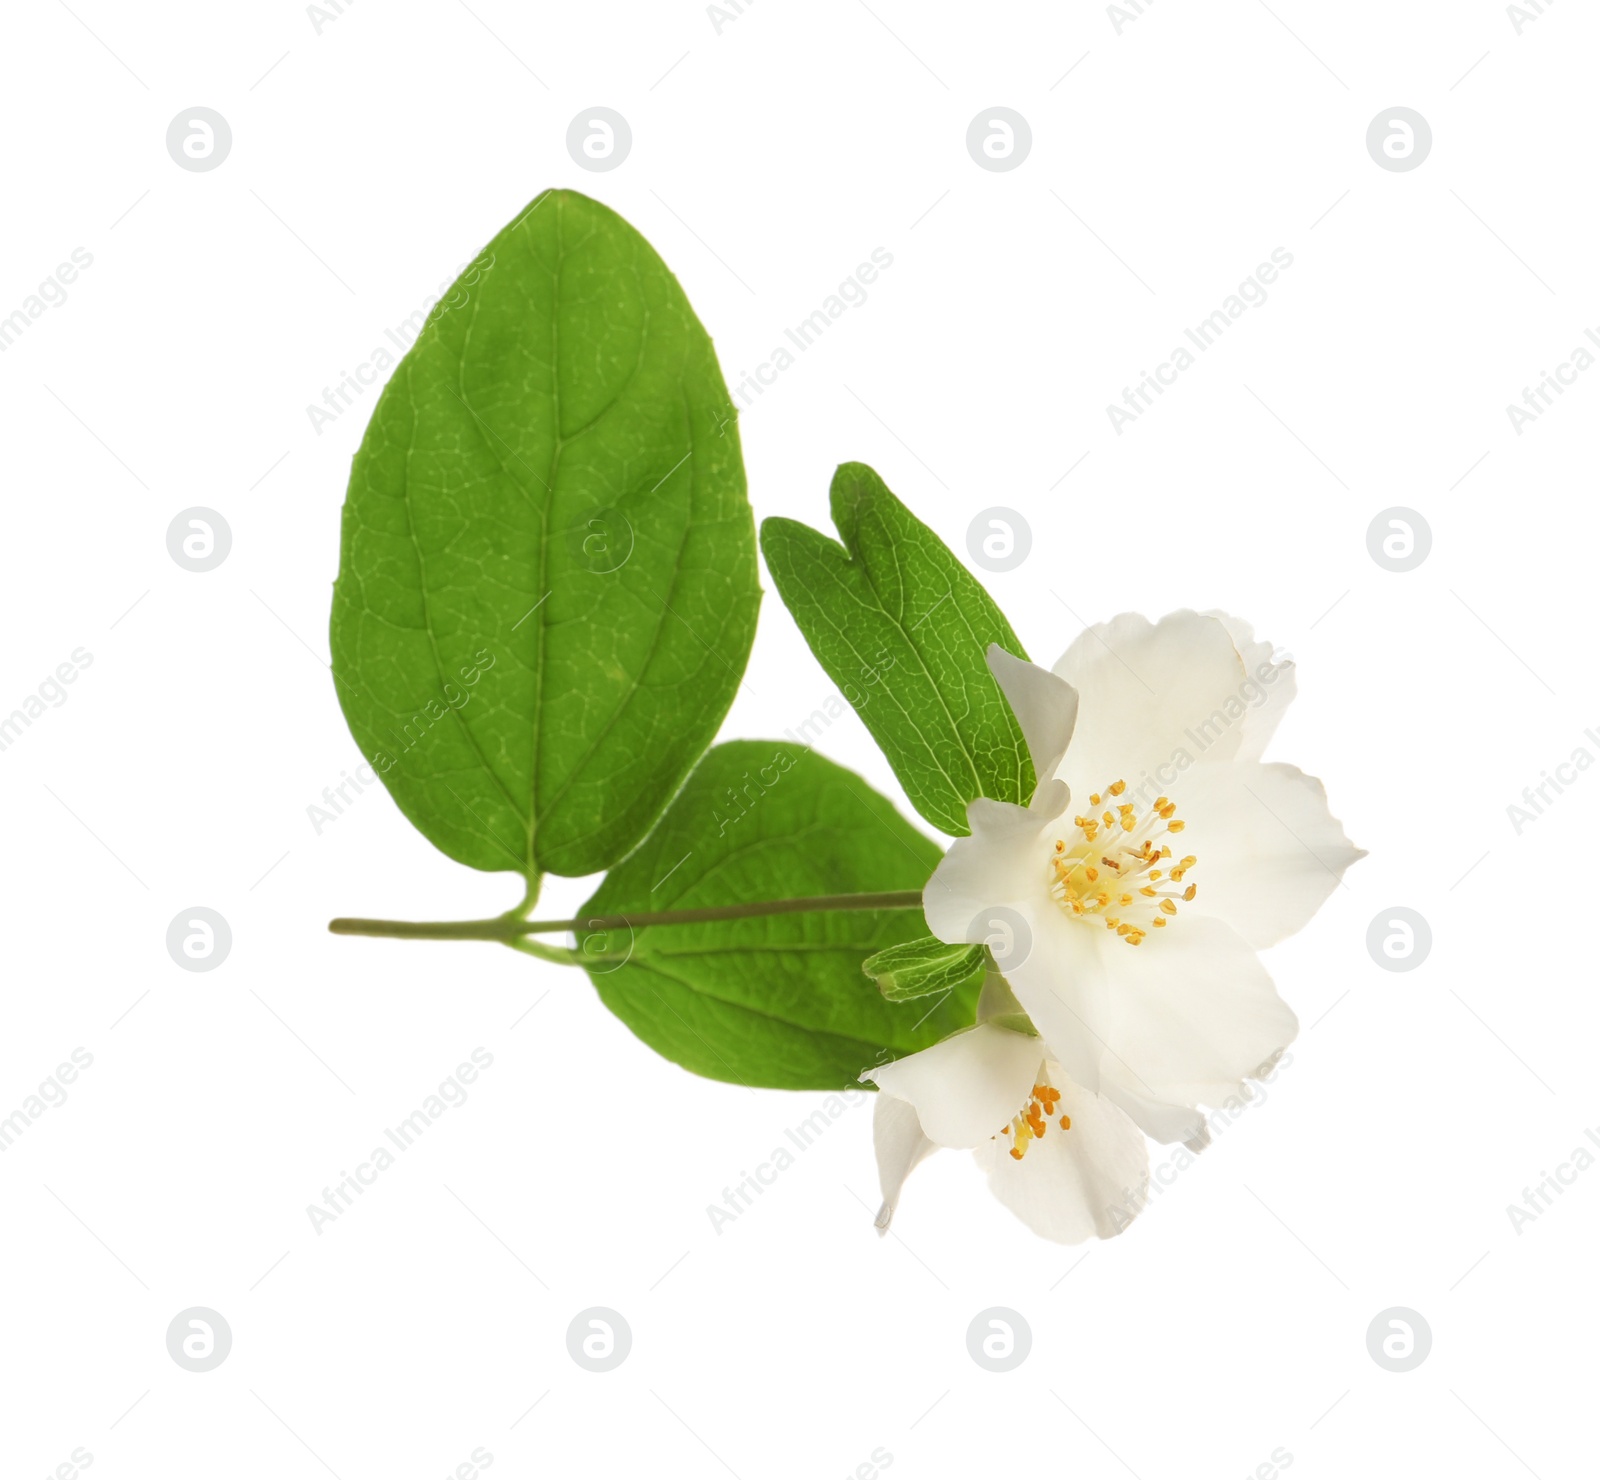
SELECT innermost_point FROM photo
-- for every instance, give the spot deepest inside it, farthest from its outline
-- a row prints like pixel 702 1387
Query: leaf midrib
pixel 904 585
pixel 851 562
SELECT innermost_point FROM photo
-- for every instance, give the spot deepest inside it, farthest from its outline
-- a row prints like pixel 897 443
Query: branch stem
pixel 510 928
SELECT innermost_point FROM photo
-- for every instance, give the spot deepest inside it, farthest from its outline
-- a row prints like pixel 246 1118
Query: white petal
pixel 968 1086
pixel 1158 1119
pixel 1148 693
pixel 1268 687
pixel 1003 863
pixel 990 888
pixel 1046 707
pixel 1072 1185
pixel 1193 1013
pixel 1270 851
pixel 1062 985
pixel 898 1140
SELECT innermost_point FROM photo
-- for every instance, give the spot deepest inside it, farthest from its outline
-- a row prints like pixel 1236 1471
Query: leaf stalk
pixel 511 929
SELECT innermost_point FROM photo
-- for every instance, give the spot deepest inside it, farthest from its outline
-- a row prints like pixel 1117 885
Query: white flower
pixel 1066 1161
pixel 1158 855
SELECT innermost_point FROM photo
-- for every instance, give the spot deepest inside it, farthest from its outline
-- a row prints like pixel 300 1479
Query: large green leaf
pixel 778 1000
pixel 902 627
pixel 547 585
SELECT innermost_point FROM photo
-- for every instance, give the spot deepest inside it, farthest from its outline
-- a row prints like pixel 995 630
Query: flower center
pixel 1033 1120
pixel 1098 874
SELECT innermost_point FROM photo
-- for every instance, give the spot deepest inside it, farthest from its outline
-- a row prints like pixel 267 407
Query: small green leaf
pixel 902 627
pixel 776 1000
pixel 547 585
pixel 921 967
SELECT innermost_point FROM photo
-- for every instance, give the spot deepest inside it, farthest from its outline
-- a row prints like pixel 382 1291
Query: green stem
pixel 512 930
pixel 530 896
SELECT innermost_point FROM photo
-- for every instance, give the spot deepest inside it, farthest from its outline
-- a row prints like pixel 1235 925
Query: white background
pixel 369 162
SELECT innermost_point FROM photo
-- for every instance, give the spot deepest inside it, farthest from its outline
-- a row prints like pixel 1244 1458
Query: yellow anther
pixel 1080 886
pixel 1031 1122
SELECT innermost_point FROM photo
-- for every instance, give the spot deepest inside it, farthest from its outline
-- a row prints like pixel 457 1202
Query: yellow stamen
pixel 1076 863
pixel 1031 1122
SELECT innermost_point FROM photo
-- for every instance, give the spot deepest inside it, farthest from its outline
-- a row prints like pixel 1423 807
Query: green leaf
pixel 921 967
pixel 777 1000
pixel 902 627
pixel 547 583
